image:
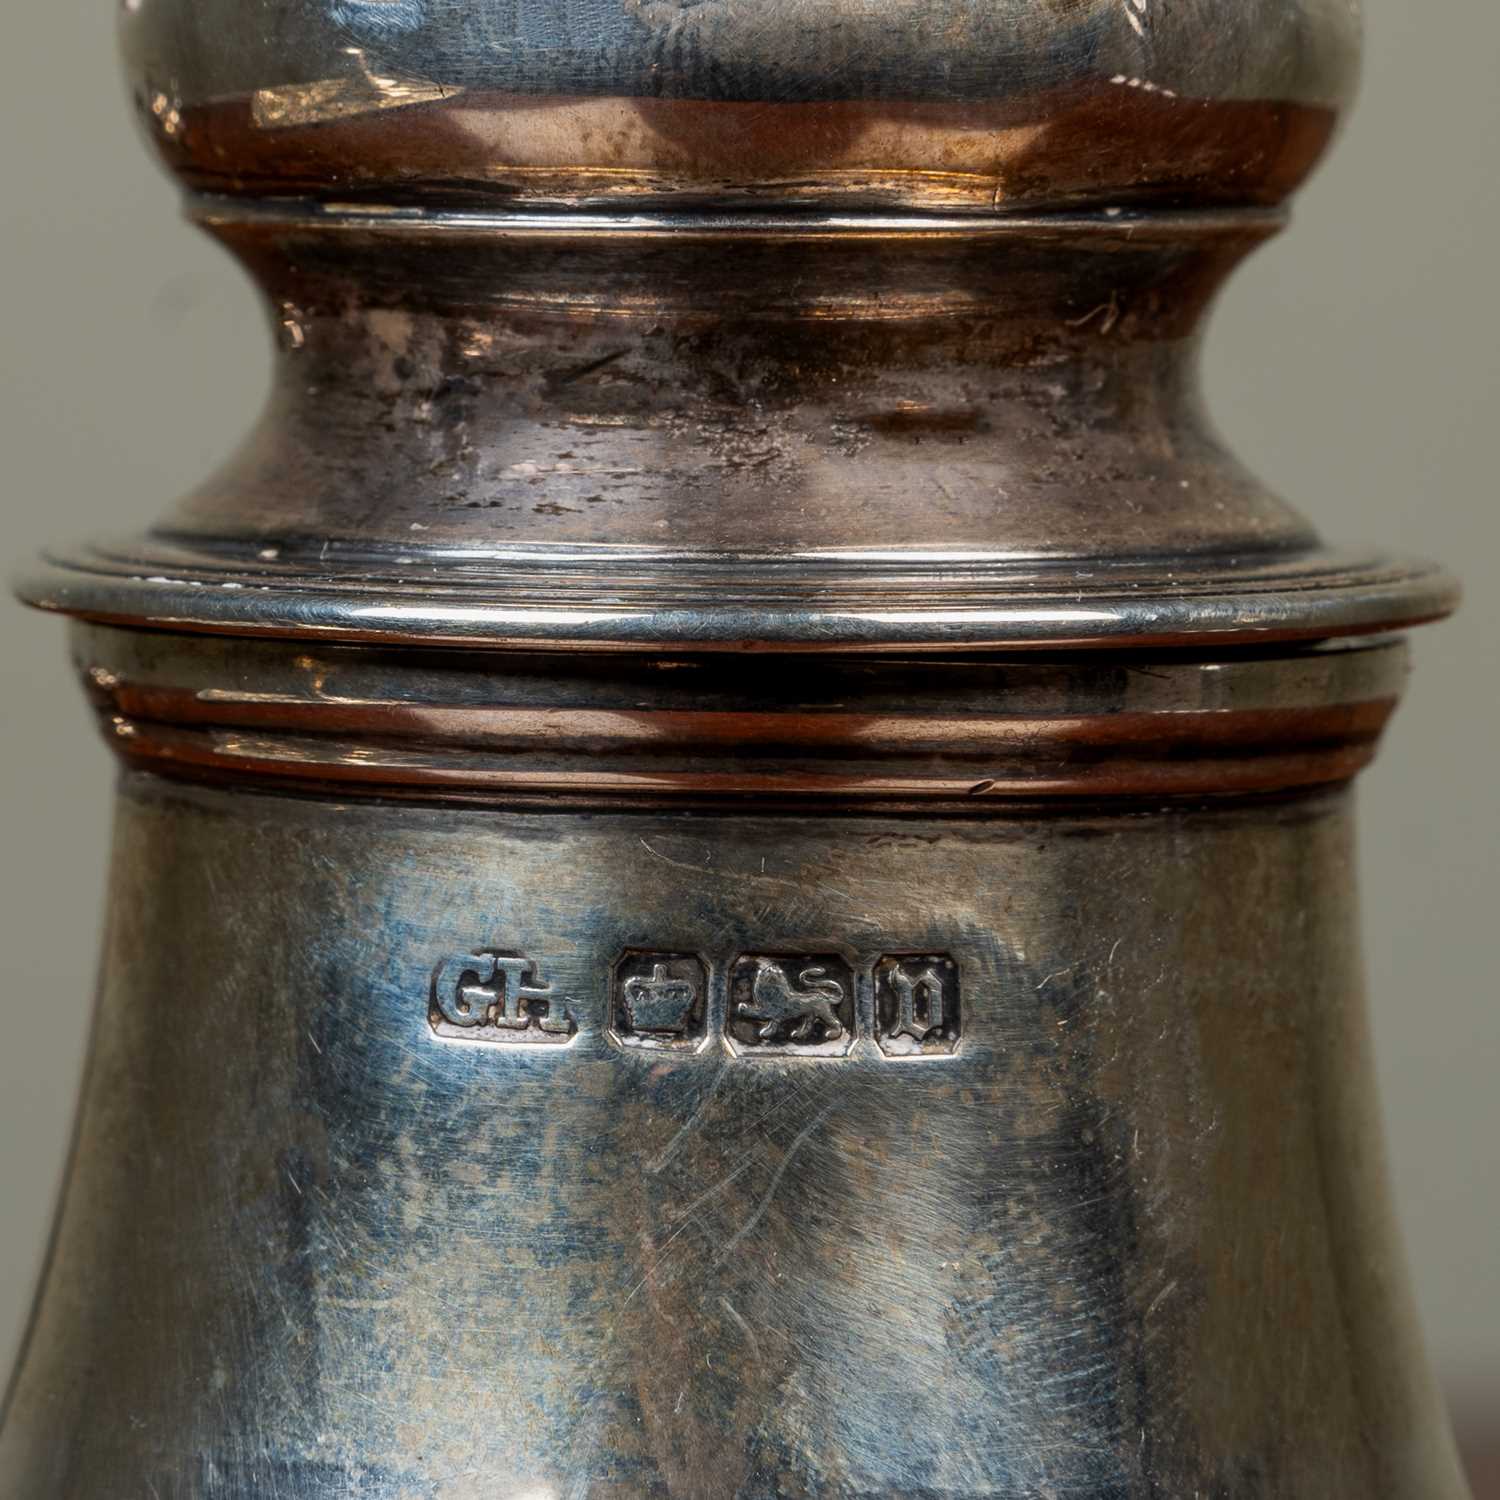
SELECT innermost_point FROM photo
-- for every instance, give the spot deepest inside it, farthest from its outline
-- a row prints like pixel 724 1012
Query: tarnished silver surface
pixel 733 875
pixel 1128 1239
pixel 693 728
pixel 743 430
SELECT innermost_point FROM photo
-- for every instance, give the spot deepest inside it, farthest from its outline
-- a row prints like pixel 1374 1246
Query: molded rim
pixel 631 599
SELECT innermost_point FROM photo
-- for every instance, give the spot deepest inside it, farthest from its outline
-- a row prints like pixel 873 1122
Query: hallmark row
pixel 775 1004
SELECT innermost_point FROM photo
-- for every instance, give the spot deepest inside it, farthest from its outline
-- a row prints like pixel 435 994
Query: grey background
pixel 1354 361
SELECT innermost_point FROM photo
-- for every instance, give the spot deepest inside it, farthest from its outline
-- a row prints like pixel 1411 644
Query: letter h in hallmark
pixel 490 996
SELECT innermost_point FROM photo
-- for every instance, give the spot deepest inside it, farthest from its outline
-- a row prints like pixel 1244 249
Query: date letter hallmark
pixel 916 1006
pixel 791 1006
pixel 659 1002
pixel 498 997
